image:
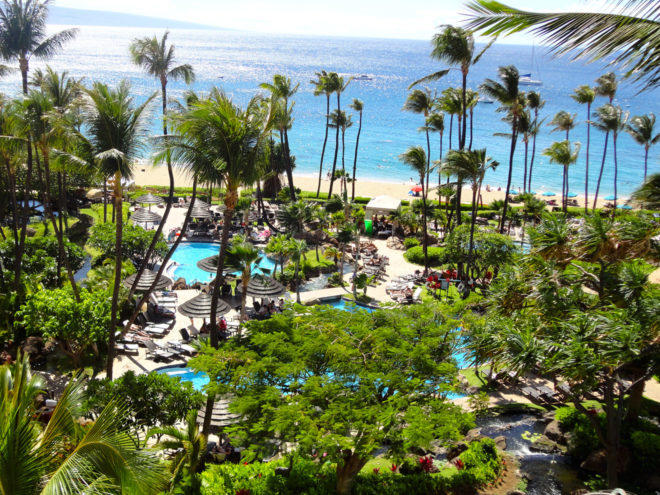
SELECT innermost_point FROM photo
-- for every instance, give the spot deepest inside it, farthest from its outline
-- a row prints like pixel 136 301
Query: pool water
pixel 348 306
pixel 188 254
pixel 198 379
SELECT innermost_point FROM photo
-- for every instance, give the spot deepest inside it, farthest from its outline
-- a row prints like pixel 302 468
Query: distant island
pixel 84 17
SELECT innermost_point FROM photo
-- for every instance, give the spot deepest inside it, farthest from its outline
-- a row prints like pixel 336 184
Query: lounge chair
pixel 155 352
pixel 163 303
pixel 128 348
pixel 193 331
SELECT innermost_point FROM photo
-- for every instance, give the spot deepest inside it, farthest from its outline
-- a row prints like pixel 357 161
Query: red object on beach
pixel 416 189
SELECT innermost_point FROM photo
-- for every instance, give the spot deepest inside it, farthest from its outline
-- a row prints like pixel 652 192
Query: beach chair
pixel 127 348
pixel 155 352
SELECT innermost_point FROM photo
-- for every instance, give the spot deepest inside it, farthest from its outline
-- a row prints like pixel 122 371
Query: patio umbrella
pixel 571 195
pixel 416 189
pixel 198 203
pixel 149 199
pixel 146 216
pixel 146 279
pixel 200 212
pixel 210 265
pixel 513 191
pixel 548 193
pixel 624 207
pixel 200 307
pixel 611 197
pixel 261 286
pixel 531 192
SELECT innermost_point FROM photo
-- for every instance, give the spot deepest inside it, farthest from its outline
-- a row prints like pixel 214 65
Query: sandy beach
pixel 148 175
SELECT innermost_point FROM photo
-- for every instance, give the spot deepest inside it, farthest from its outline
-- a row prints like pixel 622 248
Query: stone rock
pixel 456 450
pixel 544 444
pixel 553 432
pixel 473 434
pixel 547 417
pixel 438 449
pixel 282 471
pixel 180 284
pixel 394 242
pixel 419 451
pixel 30 232
pixel 597 461
pixel 500 442
pixel 472 390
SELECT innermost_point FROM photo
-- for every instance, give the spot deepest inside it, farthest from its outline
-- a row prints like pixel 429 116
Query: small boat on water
pixel 486 101
pixel 362 77
pixel 526 80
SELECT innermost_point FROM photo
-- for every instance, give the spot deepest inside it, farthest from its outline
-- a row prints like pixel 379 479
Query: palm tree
pixel 435 122
pixel 117 131
pixel 244 257
pixel 450 102
pixel 282 89
pixel 471 165
pixel 455 46
pixel 358 106
pixel 641 129
pixel 340 121
pixel 606 85
pixel 534 102
pixel 157 60
pixel 526 128
pixel 415 158
pixel 60 457
pixel 472 99
pixel 609 119
pixel 563 121
pixel 336 82
pixel 630 33
pixel 296 250
pixel 421 102
pixel 648 195
pixel 323 85
pixel 562 154
pixel 507 94
pixel 585 95
pixel 277 247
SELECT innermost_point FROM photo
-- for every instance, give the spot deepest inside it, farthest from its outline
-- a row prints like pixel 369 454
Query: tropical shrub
pixel 646 449
pixel 153 399
pixel 583 439
pixel 416 255
pixel 410 242
pixel 134 244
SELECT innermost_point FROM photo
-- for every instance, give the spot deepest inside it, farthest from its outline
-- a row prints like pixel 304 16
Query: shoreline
pixel 156 175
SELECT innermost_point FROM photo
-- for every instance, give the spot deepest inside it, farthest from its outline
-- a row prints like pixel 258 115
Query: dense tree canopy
pixel 135 241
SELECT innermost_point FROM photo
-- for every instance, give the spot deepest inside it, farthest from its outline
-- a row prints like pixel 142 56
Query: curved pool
pixel 188 254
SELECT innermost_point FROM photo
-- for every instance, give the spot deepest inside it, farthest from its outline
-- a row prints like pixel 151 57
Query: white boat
pixel 526 80
pixel 362 77
pixel 486 100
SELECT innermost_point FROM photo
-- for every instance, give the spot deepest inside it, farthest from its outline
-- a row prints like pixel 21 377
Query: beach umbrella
pixel 571 195
pixel 146 279
pixel 548 193
pixel 513 191
pixel 416 189
pixel 624 207
pixel 198 203
pixel 262 286
pixel 149 199
pixel 611 197
pixel 146 216
pixel 200 307
pixel 531 192
pixel 210 265
pixel 200 212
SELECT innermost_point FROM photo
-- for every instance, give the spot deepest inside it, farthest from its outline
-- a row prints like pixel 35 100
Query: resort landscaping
pixel 241 336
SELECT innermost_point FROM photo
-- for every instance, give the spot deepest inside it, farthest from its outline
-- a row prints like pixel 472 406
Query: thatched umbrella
pixel 200 307
pixel 146 279
pixel 149 199
pixel 200 212
pixel 197 203
pixel 262 286
pixel 146 216
pixel 210 265
pixel 220 416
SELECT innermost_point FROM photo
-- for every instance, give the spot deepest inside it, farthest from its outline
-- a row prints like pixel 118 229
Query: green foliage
pixel 135 242
pixel 436 255
pixel 646 449
pixel 55 314
pixel 479 403
pixel 410 242
pixel 482 463
pixel 583 438
pixel 154 399
pixel 40 259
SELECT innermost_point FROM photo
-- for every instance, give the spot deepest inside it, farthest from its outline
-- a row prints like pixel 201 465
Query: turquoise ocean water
pixel 239 61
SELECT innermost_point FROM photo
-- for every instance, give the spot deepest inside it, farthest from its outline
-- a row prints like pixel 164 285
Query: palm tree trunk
pixel 297 267
pixel 616 171
pixel 472 223
pixel 451 127
pixel 564 190
pixel 334 161
pixel 424 227
pixel 471 123
pixel 514 138
pixel 600 175
pixel 526 141
pixel 245 279
pixel 343 168
pixel 60 202
pixel 287 161
pixel 357 143
pixel 531 162
pixel 20 248
pixel 325 141
pixel 646 159
pixel 11 181
pixel 464 95
pixel 105 200
pixel 586 172
pixel 145 296
pixel 115 290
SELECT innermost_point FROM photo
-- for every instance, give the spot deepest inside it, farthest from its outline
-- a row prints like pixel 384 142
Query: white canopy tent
pixel 381 205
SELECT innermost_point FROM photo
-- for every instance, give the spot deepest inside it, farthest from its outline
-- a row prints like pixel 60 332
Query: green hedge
pixel 415 255
pixel 410 242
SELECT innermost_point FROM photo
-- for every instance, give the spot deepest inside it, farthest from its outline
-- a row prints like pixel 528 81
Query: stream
pixel 548 474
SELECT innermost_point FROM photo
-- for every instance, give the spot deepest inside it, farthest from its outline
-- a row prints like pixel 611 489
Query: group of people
pixel 381 224
pixel 265 309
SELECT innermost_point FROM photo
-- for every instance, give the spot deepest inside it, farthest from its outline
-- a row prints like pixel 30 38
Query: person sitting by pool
pixel 408 293
pixel 222 326
pixel 205 328
pixel 271 308
pixel 263 312
pixel 280 304
pixel 257 306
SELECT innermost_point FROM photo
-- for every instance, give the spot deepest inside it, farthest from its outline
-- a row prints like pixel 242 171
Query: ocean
pixel 239 61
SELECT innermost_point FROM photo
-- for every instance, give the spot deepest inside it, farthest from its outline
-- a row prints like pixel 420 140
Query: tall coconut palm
pixel 472 165
pixel 336 82
pixel 455 46
pixel 243 256
pixel 23 35
pixel 525 128
pixel 421 102
pixel 562 154
pixel 323 85
pixel 296 249
pixel 156 58
pixel 507 94
pixel 535 103
pixel 358 106
pixel 641 129
pixel 606 85
pixel 341 121
pixel 59 457
pixel 282 88
pixel 610 120
pixel 415 158
pixel 117 130
pixel 585 95
pixel 450 102
pixel 563 122
pixel 631 33
pixel 436 123
pixel 472 99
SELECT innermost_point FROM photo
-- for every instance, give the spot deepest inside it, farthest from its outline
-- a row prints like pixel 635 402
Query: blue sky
pixel 412 19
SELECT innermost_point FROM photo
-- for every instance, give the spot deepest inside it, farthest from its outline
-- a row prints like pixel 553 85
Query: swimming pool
pixel 198 379
pixel 188 254
pixel 345 305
